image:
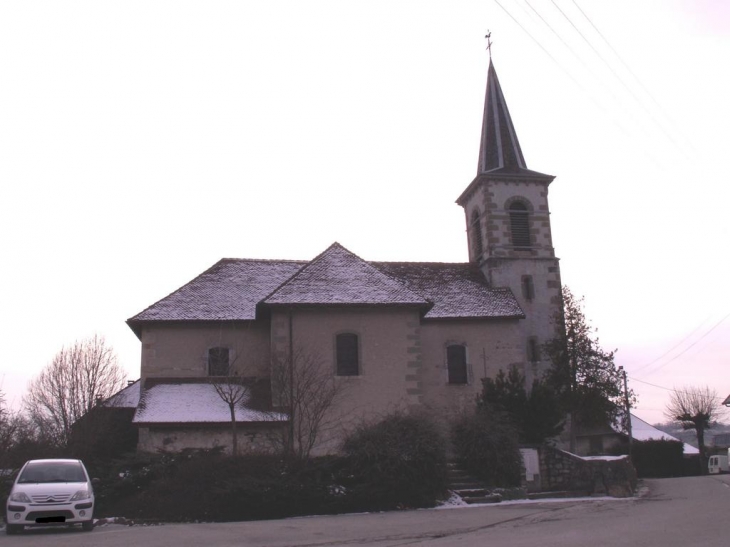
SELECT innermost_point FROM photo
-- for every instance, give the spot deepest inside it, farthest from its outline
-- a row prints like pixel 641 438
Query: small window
pixel 533 350
pixel 218 361
pixel 528 288
pixel 347 355
pixel 476 234
pixel 519 224
pixel 595 445
pixel 456 363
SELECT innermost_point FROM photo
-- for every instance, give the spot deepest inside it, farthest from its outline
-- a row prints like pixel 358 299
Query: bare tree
pixel 695 408
pixel 6 426
pixel 307 389
pixel 233 392
pixel 78 377
pixel 3 408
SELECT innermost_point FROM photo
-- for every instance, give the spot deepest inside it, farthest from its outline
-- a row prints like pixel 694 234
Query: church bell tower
pixel 508 225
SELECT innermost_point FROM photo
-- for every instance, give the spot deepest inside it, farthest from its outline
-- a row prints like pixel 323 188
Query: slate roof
pixel 338 276
pixel 125 398
pixel 644 431
pixel 500 150
pixel 191 403
pixel 232 289
pixel 229 290
pixel 457 290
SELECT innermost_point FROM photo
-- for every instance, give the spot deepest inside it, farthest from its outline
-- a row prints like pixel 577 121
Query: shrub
pixel 486 445
pixel 658 458
pixel 211 486
pixel 397 462
pixel 536 413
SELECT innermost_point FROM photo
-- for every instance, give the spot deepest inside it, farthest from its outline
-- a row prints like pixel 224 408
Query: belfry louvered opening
pixel 519 224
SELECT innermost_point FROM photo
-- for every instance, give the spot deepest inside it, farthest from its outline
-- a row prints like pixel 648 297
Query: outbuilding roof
pixel 644 431
pixel 191 403
pixel 125 398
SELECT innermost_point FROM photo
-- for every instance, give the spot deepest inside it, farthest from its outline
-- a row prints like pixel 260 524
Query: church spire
pixel 500 154
pixel 499 150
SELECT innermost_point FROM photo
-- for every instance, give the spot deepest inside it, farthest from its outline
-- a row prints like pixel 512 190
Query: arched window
pixel 519 224
pixel 348 362
pixel 219 361
pixel 476 234
pixel 456 363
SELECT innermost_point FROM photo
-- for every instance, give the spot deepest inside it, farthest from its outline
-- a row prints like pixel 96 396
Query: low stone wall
pixel 602 475
pixel 251 438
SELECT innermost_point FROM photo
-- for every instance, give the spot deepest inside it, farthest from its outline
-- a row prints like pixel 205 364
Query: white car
pixel 48 492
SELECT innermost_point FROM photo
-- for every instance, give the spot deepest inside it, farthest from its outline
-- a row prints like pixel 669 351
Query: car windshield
pixel 52 472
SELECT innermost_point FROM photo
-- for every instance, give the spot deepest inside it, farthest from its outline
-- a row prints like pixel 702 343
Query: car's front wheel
pixel 87 526
pixel 11 529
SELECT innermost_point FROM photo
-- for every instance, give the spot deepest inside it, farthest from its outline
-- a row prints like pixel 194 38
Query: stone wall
pixel 602 475
pixel 251 438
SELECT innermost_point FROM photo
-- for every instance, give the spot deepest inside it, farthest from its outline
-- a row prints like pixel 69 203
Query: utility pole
pixel 627 402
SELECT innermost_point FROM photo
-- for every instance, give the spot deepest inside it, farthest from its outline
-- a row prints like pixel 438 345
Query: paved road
pixel 672 512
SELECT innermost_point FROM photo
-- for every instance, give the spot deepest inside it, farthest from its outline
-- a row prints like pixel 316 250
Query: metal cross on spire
pixel 488 36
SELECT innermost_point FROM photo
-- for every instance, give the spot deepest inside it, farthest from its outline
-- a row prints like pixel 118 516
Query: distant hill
pixel 688 436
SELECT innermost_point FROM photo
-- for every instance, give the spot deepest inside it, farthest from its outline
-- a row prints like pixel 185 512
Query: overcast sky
pixel 142 141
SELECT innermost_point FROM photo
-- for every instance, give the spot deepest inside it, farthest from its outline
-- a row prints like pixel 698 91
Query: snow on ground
pixel 455 502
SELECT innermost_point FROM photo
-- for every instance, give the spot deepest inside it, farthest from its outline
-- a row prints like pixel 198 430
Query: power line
pixel 613 119
pixel 627 67
pixel 642 367
pixel 669 388
pixel 693 343
pixel 571 50
pixel 561 67
pixel 604 86
pixel 636 78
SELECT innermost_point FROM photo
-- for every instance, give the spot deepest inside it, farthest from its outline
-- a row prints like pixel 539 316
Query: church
pixel 378 337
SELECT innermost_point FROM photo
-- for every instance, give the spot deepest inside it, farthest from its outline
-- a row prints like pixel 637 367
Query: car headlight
pixel 19 496
pixel 81 495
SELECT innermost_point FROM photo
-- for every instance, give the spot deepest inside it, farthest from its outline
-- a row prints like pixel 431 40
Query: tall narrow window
pixel 218 361
pixel 347 355
pixel 528 288
pixel 456 363
pixel 533 350
pixel 519 224
pixel 476 234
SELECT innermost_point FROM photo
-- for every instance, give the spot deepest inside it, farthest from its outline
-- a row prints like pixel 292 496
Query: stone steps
pixel 468 488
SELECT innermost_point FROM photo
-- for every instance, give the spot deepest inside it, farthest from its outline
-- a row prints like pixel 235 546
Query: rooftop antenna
pixel 488 36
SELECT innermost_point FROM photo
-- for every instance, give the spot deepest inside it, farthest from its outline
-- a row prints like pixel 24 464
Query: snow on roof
pixel 458 290
pixel 602 458
pixel 643 431
pixel 229 290
pixel 338 276
pixel 232 288
pixel 125 398
pixel 194 403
